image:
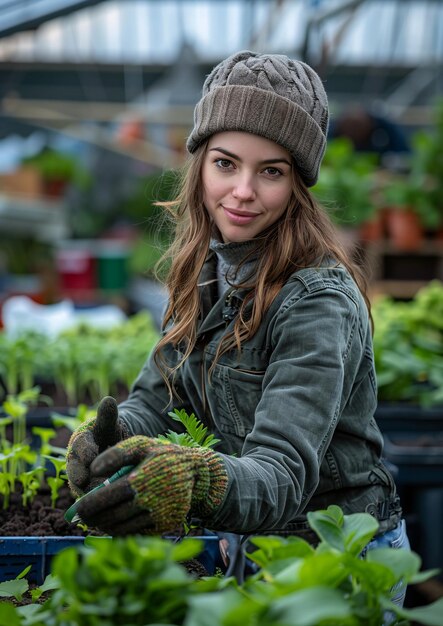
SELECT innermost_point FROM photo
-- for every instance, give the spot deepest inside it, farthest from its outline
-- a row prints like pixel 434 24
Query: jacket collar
pixel 215 311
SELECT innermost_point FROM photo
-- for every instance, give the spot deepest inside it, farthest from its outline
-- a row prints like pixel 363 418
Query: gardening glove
pixel 88 441
pixel 168 482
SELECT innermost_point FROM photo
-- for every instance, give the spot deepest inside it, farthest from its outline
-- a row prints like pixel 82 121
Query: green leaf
pixel 273 548
pixel 309 607
pixel 348 533
pixel 9 615
pixel 328 569
pixel 358 530
pixel 14 588
pixel 430 615
pixel 228 608
pixel 196 431
pixel 421 577
pixel 186 549
pixel 375 577
pixel 24 572
pixel 403 563
pixel 328 526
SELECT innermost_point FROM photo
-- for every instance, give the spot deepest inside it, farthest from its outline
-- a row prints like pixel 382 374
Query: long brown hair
pixel 304 236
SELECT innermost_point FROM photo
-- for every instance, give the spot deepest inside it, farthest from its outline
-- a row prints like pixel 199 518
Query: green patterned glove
pixel 168 482
pixel 88 441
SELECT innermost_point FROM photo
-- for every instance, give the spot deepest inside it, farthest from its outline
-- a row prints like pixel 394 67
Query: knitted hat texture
pixel 269 95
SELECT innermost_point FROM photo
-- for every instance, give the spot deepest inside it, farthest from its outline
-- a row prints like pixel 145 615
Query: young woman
pixel 267 337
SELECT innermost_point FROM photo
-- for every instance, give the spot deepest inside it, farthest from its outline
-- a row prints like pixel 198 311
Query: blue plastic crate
pixel 16 553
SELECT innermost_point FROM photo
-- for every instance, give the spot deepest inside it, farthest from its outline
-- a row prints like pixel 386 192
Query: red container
pixel 76 266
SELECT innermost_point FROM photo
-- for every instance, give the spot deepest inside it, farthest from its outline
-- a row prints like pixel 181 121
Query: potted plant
pixel 58 169
pixel 409 209
pixel 346 186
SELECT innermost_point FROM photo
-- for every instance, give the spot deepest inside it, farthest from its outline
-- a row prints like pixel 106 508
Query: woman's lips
pixel 239 217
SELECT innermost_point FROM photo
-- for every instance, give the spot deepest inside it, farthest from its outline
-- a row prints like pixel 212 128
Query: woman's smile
pixel 239 217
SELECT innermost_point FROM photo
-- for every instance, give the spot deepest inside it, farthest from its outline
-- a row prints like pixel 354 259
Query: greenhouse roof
pixel 380 32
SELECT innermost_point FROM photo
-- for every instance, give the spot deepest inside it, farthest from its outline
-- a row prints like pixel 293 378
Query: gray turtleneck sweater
pixel 229 258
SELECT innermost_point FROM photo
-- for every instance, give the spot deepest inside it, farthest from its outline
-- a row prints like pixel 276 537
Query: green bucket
pixel 112 265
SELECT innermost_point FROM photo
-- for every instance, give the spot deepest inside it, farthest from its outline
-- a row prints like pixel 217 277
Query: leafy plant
pixel 56 165
pixel 83 361
pixel 346 183
pixel 19 464
pixel 408 347
pixel 195 435
pixel 410 192
pixel 17 588
pixel 31 482
pixel 142 581
pixel 55 482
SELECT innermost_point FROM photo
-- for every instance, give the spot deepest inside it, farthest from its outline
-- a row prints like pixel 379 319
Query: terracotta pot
pixel 373 229
pixel 54 188
pixel 404 228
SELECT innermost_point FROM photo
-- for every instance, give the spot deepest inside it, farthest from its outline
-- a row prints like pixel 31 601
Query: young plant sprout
pixel 30 481
pixel 4 423
pixel 17 406
pixel 55 482
pixel 195 435
pixel 19 464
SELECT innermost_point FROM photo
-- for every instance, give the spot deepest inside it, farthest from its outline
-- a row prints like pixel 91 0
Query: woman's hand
pixel 88 441
pixel 167 483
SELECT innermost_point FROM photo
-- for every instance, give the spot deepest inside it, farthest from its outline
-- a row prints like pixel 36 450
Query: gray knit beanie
pixel 268 95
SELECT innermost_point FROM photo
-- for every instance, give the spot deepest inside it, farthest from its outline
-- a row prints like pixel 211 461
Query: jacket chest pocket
pixel 236 393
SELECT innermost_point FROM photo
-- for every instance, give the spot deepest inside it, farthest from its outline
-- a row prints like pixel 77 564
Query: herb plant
pixel 196 433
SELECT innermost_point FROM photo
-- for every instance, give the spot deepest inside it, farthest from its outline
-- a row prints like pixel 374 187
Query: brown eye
pixel 223 164
pixel 273 172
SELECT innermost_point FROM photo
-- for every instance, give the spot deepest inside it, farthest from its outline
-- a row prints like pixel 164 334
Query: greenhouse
pixel 221 312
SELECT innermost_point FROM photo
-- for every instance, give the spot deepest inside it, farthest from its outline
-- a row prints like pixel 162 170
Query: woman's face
pixel 247 183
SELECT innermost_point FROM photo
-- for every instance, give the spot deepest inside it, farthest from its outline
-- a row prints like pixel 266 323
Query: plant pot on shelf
pixel 404 228
pixel 373 229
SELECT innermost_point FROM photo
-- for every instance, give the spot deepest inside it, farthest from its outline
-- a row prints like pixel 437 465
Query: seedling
pixel 31 482
pixel 195 435
pixel 19 464
pixel 55 482
pixel 17 587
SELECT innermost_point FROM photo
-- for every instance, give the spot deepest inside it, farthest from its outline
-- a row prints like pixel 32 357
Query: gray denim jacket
pixel 294 410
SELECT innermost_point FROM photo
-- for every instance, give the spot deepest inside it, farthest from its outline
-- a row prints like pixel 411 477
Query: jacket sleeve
pixel 304 389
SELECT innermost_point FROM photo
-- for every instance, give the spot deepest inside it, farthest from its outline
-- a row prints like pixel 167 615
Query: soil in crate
pixel 39 518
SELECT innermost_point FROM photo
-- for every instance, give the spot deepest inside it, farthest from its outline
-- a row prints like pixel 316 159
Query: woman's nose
pixel 244 188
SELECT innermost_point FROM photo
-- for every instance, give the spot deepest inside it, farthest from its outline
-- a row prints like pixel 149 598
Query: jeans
pixel 395 538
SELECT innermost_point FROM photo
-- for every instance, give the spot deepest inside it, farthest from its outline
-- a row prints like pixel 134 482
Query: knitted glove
pixel 88 441
pixel 168 482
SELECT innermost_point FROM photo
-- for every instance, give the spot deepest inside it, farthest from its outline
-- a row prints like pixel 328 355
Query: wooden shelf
pixel 401 273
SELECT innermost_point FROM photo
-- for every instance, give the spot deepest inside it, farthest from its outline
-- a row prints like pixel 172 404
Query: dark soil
pixel 39 519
